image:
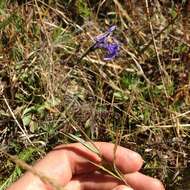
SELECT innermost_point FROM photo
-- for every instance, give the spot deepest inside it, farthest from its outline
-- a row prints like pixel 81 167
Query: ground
pixel 140 99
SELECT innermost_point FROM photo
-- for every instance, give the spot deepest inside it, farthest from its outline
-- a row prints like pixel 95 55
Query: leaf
pixel 28 110
pixel 11 179
pixel 83 142
pixel 26 119
pixel 2 6
pixel 25 155
pixel 83 9
pixel 52 102
pixel 120 96
pixel 6 22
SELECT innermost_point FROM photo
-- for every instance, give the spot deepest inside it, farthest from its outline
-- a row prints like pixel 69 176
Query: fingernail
pixel 135 156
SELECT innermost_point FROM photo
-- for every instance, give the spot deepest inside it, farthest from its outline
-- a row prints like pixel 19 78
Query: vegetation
pixel 142 96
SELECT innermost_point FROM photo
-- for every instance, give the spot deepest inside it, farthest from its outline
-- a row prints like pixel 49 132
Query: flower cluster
pixel 112 48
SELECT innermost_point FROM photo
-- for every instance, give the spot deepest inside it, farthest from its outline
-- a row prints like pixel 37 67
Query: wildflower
pixel 102 41
pixel 102 38
pixel 112 48
pixel 112 51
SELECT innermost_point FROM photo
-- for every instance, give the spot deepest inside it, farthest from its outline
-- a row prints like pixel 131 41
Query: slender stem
pixel 91 48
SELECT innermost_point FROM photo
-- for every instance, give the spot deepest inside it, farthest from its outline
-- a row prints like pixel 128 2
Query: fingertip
pixel 140 181
pixel 129 161
pixel 126 160
pixel 157 184
pixel 136 160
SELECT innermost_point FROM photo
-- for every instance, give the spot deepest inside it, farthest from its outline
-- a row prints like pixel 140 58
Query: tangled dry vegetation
pixel 143 95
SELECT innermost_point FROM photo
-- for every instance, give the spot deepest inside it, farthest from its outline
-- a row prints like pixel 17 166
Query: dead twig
pixel 157 35
pixel 16 121
pixel 162 70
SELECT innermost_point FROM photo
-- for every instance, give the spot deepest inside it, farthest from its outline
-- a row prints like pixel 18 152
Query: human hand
pixel 69 166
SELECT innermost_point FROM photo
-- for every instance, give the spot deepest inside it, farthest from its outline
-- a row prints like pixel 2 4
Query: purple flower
pixel 112 51
pixel 112 48
pixel 102 38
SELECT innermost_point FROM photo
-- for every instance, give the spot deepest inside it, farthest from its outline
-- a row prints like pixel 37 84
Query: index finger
pixel 68 160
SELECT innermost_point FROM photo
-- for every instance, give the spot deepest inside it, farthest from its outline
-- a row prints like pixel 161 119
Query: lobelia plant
pixel 102 42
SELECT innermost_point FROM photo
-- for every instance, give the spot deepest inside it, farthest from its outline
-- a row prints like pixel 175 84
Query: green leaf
pixel 25 155
pixel 88 145
pixel 12 178
pixel 120 96
pixel 6 22
pixel 26 119
pixel 2 6
pixel 83 9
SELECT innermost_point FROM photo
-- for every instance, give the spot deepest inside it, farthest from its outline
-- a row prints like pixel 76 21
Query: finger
pixel 68 160
pixel 93 181
pixel 96 181
pixel 76 185
pixel 126 160
pixel 78 157
pixel 139 181
pixel 122 187
pixel 59 165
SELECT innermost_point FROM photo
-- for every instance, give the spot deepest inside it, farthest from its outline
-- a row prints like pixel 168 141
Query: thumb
pixel 122 187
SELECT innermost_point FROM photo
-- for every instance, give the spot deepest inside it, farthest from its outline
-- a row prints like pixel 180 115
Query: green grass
pixel 143 94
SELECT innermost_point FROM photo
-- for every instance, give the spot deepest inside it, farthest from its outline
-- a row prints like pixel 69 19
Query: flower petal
pixel 112 28
pixel 112 51
pixel 103 37
pixel 102 42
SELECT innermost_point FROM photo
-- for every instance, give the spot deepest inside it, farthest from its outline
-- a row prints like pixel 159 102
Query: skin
pixel 69 166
